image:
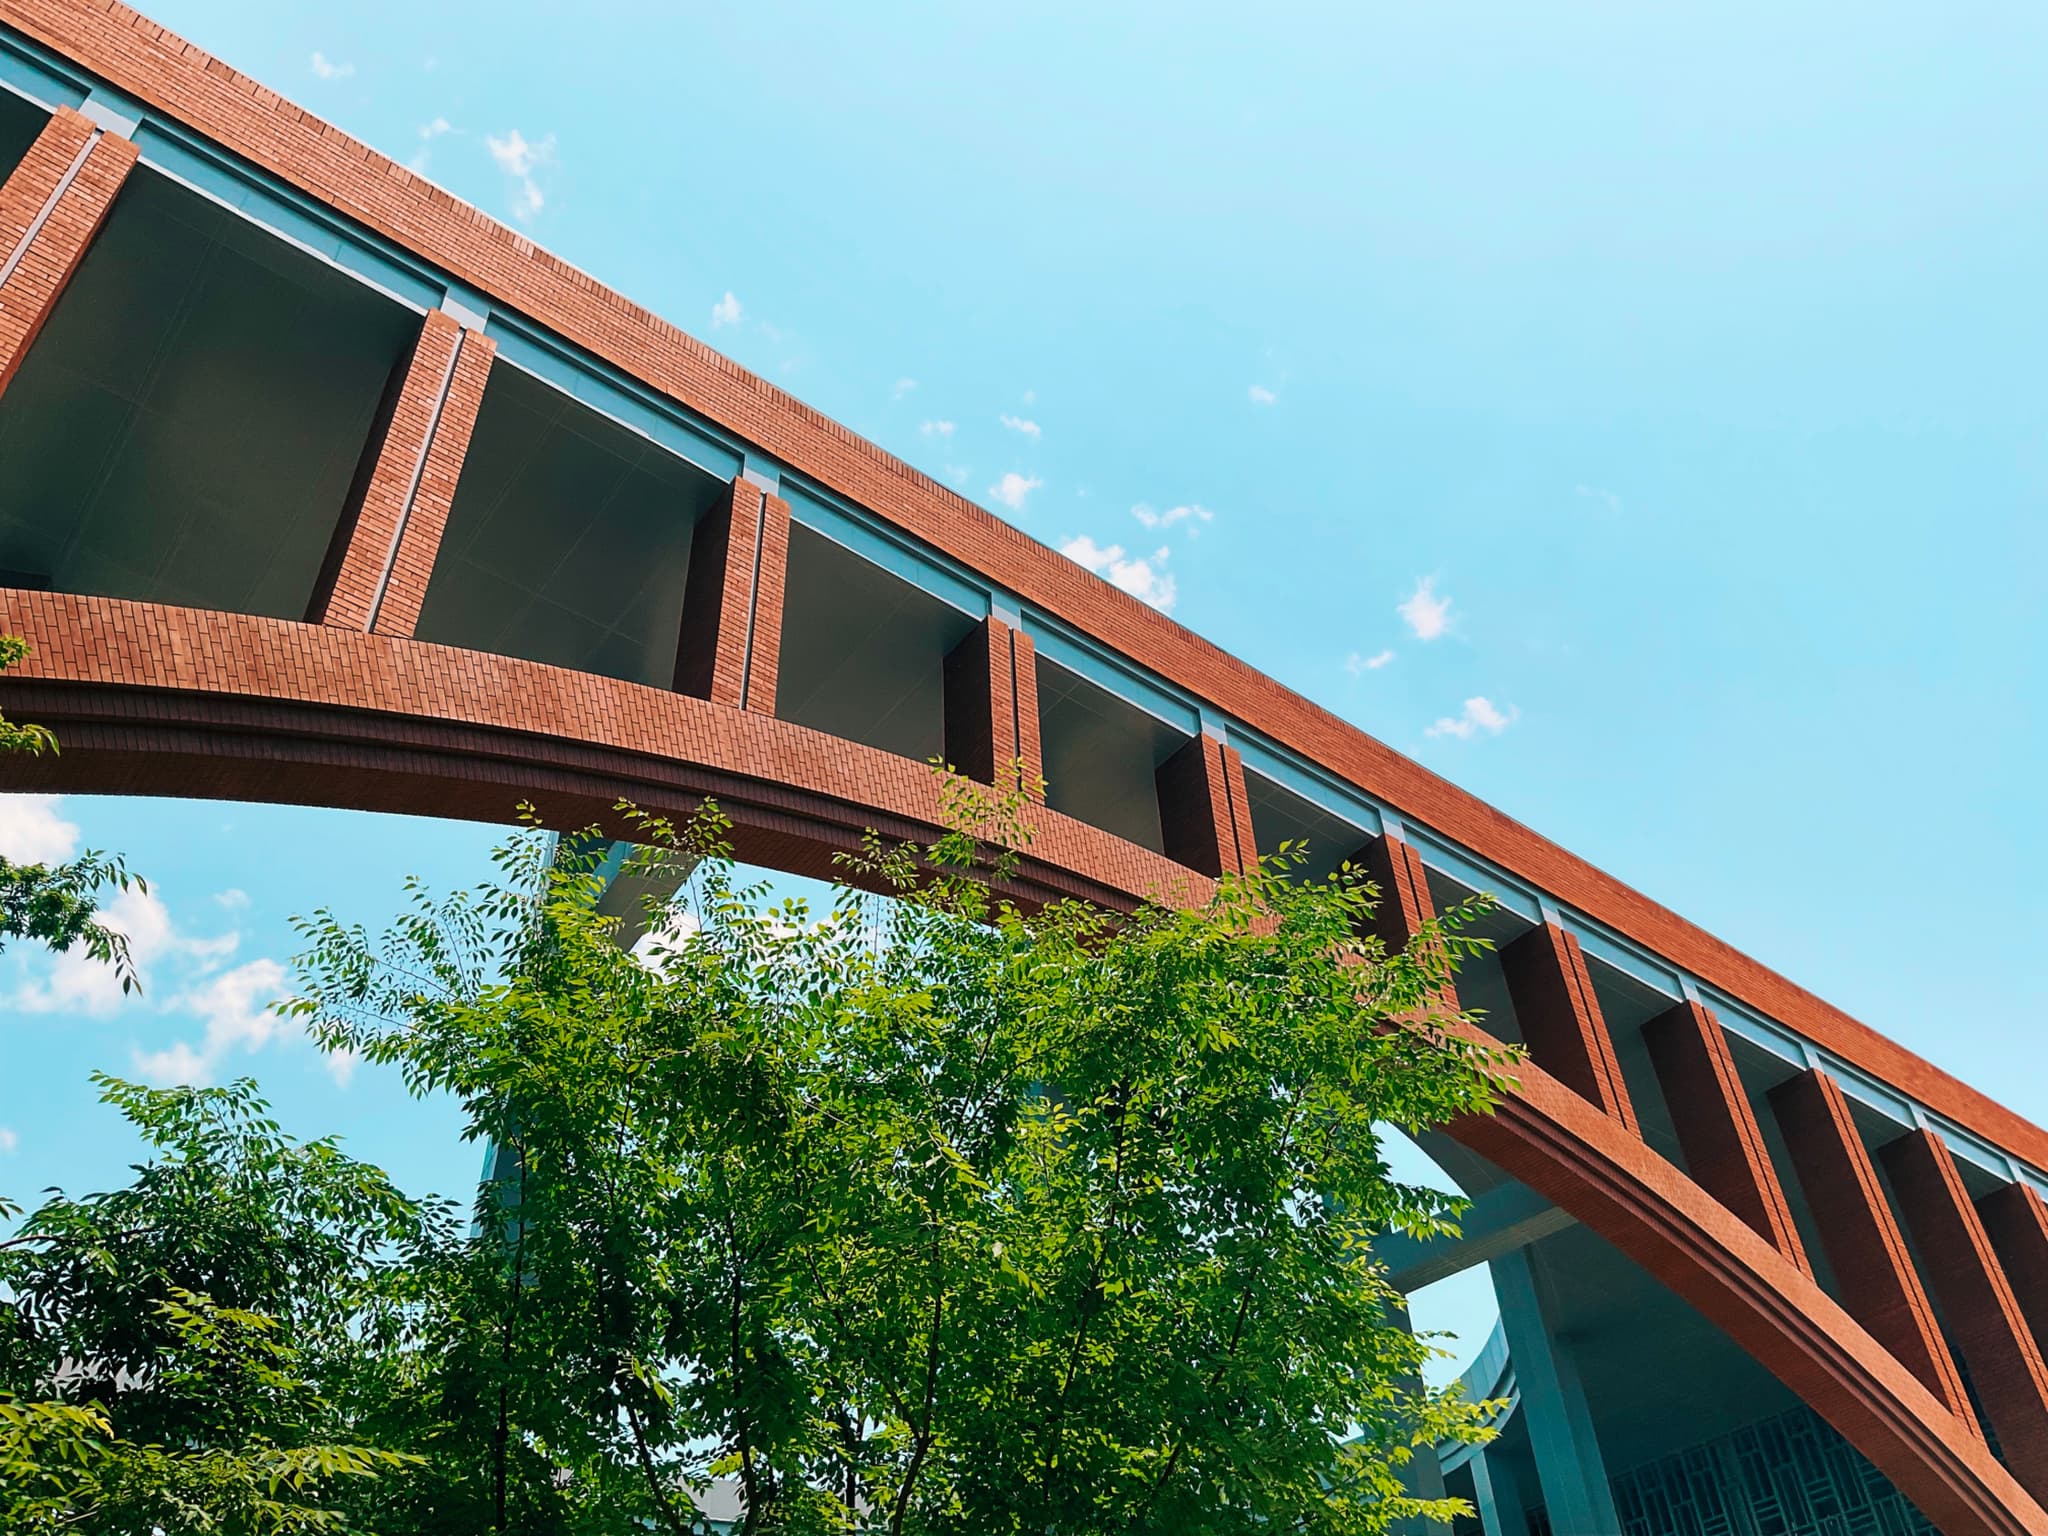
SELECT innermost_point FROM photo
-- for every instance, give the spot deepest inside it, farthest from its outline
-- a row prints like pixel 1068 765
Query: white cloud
pixel 1358 665
pixel 32 831
pixel 903 387
pixel 327 69
pixel 936 428
pixel 341 1066
pixel 1260 395
pixel 1478 715
pixel 1013 488
pixel 8 1140
pixel 1424 612
pixel 235 1009
pixel 1606 498
pixel 1151 517
pixel 234 898
pixel 959 474
pixel 726 311
pixel 75 983
pixel 519 158
pixel 428 133
pixel 1030 429
pixel 1140 576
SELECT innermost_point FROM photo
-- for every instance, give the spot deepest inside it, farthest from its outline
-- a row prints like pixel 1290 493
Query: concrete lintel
pixel 1497 1223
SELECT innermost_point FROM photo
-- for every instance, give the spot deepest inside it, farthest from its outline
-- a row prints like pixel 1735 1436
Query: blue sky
pixel 1634 413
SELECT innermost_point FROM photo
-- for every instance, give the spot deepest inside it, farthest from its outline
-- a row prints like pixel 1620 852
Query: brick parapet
pixel 51 206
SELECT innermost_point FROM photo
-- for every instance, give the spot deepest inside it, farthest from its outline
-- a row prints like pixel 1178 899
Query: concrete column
pixel 1569 1468
pixel 1879 1287
pixel 382 557
pixel 992 707
pixel 731 640
pixel 1496 1497
pixel 1561 1020
pixel 50 208
pixel 1717 1127
pixel 1204 817
pixel 2005 1364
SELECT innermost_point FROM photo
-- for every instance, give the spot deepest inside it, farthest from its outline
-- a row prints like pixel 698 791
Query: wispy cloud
pixel 1030 429
pixel 725 312
pixel 72 982
pixel 1143 576
pixel 234 898
pixel 520 158
pixel 936 428
pixel 8 1140
pixel 958 474
pixel 234 1009
pixel 1479 715
pixel 1013 488
pixel 1358 664
pixel 327 69
pixel 1427 614
pixel 903 387
pixel 1260 395
pixel 429 132
pixel 1192 515
pixel 1606 498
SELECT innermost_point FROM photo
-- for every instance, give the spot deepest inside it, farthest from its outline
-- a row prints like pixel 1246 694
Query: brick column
pixel 992 706
pixel 731 640
pixel 1204 817
pixel 1560 1019
pixel 1878 1285
pixel 50 208
pixel 2004 1361
pixel 382 556
pixel 2017 1220
pixel 1717 1128
pixel 1395 868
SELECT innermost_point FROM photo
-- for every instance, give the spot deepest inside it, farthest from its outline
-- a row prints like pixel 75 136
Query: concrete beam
pixel 1498 1223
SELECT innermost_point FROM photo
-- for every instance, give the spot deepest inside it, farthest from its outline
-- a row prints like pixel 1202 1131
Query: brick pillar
pixel 731 640
pixel 50 208
pixel 2017 1220
pixel 1204 818
pixel 1395 868
pixel 382 556
pixel 1717 1129
pixel 1878 1285
pixel 992 706
pixel 2004 1361
pixel 1561 1021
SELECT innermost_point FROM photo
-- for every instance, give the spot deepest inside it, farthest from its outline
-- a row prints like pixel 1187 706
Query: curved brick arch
pixel 157 700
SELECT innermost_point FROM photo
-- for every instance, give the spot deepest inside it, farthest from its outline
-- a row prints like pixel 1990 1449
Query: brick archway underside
pixel 162 701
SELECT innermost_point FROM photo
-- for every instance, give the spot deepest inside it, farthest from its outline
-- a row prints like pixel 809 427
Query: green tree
pixel 194 1352
pixel 58 904
pixel 923 1213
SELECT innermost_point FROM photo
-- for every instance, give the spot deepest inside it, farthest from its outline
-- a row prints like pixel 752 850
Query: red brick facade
pixel 1873 1270
pixel 1561 1021
pixel 351 710
pixel 390 531
pixel 991 681
pixel 50 208
pixel 731 643
pixel 1717 1129
pixel 2005 1365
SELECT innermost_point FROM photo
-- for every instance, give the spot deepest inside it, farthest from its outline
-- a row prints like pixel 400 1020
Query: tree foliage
pixel 920 1213
pixel 58 904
